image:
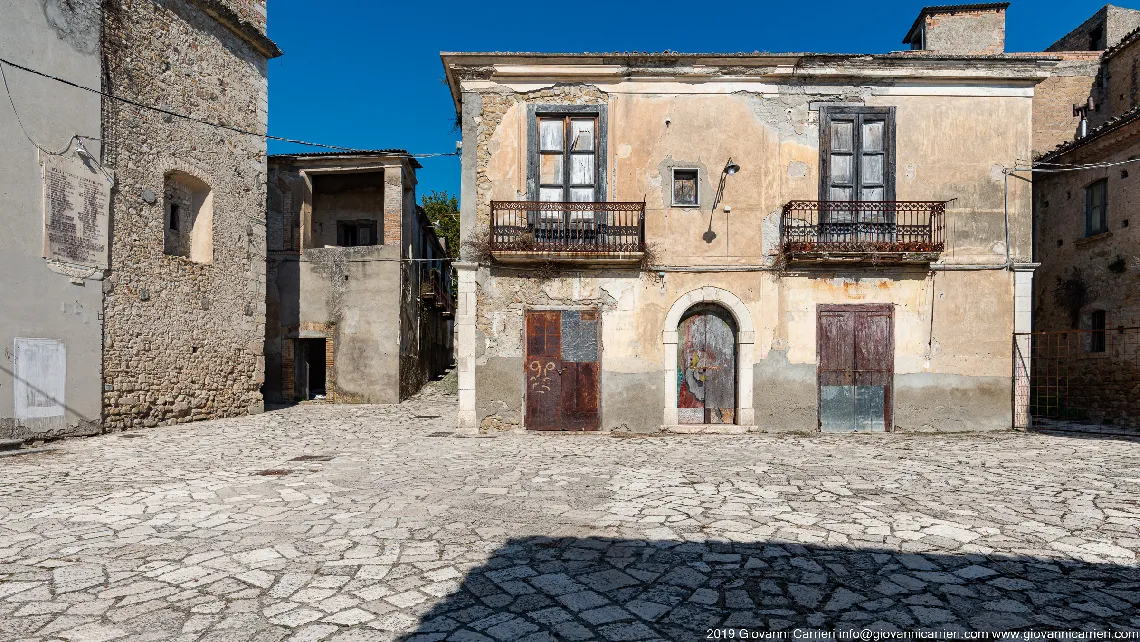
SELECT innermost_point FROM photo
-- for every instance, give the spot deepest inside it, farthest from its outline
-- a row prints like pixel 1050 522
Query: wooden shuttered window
pixel 1096 208
pixel 857 150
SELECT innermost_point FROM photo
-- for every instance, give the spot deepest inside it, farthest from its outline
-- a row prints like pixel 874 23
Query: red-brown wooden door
pixel 856 351
pixel 562 359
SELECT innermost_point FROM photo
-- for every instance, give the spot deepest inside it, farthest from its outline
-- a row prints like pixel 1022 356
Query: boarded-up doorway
pixel 706 366
pixel 561 369
pixel 856 351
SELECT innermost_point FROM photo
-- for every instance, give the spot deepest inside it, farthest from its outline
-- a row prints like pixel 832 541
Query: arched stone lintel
pixel 745 338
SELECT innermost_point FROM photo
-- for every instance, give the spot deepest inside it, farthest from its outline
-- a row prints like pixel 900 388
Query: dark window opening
pixel 1096 208
pixel 355 233
pixel 348 209
pixel 685 186
pixel 1098 337
pixel 1096 39
pixel 309 369
pixel 175 214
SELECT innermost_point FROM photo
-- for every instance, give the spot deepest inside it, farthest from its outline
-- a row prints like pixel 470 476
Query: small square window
pixel 175 214
pixel 686 184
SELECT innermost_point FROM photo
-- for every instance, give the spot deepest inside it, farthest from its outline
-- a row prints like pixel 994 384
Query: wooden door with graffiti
pixel 706 367
pixel 856 367
pixel 561 369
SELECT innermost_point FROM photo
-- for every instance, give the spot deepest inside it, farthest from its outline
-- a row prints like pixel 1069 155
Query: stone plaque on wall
pixel 77 203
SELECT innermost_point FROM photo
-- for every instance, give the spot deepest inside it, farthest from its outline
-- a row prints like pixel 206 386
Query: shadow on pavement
pixel 541 588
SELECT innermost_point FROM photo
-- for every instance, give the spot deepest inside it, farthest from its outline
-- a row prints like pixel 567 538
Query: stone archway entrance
pixel 722 311
pixel 706 366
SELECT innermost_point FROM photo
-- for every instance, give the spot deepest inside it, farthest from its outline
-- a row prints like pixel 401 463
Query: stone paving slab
pixel 401 535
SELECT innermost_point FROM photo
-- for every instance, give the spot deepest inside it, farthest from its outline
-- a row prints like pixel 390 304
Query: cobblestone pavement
pixel 407 533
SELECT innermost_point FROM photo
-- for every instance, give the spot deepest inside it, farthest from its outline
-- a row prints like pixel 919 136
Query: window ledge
pixel 1088 240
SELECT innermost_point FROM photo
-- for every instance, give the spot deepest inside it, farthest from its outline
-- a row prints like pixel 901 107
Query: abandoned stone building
pixel 359 285
pixel 184 310
pixel 148 309
pixel 1085 353
pixel 738 242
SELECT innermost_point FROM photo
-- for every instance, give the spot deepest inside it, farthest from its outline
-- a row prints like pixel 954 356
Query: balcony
pixel 862 231
pixel 586 233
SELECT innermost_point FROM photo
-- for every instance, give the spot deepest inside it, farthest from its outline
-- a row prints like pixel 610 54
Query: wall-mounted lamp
pixel 730 168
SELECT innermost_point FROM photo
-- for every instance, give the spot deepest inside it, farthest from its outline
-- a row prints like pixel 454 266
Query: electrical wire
pixel 1054 168
pixel 175 114
pixel 20 121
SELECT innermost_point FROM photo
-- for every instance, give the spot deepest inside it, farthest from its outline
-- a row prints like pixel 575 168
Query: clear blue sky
pixel 366 73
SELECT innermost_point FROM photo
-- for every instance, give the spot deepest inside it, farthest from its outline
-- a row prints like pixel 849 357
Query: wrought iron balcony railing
pixel 906 230
pixel 533 230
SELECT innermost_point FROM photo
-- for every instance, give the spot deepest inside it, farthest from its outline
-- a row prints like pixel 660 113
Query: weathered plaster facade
pixel 373 305
pixel 183 334
pixel 960 121
pixel 41 300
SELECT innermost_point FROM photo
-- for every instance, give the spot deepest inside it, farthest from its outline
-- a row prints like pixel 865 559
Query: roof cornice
pixel 240 27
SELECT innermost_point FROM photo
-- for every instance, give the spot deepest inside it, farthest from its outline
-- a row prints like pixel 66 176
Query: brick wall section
pixel 393 205
pixel 182 340
pixel 288 389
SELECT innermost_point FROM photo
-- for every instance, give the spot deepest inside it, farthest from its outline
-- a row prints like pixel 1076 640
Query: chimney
pixel 960 29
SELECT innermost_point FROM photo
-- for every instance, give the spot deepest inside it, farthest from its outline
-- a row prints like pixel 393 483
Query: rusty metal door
pixel 706 367
pixel 562 370
pixel 856 351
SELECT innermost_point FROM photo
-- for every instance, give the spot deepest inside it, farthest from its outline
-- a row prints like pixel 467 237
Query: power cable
pixel 1054 168
pixel 20 121
pixel 174 114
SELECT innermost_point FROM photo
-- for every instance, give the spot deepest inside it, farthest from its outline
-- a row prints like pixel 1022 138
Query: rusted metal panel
pixel 543 370
pixel 706 367
pixel 562 370
pixel 855 344
pixel 580 336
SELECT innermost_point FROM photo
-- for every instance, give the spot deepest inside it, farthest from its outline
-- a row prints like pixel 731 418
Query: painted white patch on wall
pixel 41 373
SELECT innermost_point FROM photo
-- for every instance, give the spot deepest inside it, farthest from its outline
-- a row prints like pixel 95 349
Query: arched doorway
pixel 706 366
pixel 745 340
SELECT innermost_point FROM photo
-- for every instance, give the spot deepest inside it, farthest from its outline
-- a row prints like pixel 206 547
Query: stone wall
pixel 1113 22
pixel 1121 74
pixel 183 340
pixel 1108 263
pixel 965 32
pixel 1071 83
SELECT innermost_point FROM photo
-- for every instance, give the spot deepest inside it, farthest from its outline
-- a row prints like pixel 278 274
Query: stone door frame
pixel 745 350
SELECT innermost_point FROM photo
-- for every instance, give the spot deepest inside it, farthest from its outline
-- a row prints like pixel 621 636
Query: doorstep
pixel 708 429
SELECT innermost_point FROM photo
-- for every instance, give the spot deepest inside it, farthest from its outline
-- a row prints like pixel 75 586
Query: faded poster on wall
pixel 77 204
pixel 40 377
